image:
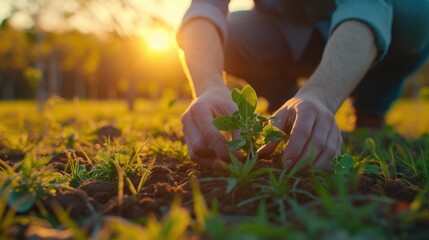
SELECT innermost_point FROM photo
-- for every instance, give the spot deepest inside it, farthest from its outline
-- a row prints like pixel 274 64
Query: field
pixel 94 170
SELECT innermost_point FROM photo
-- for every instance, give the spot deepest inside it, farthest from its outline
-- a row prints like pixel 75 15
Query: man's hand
pixel 308 117
pixel 205 143
pixel 313 133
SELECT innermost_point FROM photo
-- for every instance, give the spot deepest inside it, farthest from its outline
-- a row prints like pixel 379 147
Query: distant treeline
pixel 73 64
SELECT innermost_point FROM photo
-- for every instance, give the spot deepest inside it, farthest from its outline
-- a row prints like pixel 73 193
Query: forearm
pixel 348 55
pixel 203 56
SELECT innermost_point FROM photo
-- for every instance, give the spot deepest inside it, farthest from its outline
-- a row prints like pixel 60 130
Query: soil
pixel 108 131
pixel 170 179
pixel 61 160
pixel 11 157
pixel 77 203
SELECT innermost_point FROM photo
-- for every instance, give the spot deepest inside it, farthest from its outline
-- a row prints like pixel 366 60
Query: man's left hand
pixel 313 133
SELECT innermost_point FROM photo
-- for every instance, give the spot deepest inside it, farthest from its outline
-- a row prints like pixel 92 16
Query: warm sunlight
pixel 159 40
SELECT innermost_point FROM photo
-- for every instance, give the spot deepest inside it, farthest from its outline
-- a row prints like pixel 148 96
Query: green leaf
pixel 226 123
pixel 246 101
pixel 344 165
pixel 200 208
pixel 230 184
pixel 257 128
pixel 372 169
pixel 249 164
pixel 248 104
pixel 235 144
pixel 249 95
pixel 274 136
pixel 262 118
pixel 22 201
pixel 236 96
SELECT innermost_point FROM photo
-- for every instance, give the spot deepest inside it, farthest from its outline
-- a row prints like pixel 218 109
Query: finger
pixel 299 137
pixel 209 135
pixel 267 150
pixel 318 138
pixel 194 141
pixel 339 145
pixel 322 162
pixel 208 161
pixel 211 163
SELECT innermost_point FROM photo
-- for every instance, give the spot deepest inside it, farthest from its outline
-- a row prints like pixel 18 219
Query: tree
pixel 13 56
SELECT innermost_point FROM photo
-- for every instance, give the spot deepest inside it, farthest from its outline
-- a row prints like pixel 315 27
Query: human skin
pixel 308 117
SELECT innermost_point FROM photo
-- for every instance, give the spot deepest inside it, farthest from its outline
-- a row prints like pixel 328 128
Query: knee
pixel 410 32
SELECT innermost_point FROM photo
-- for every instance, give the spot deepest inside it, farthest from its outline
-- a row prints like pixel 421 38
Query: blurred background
pixel 102 49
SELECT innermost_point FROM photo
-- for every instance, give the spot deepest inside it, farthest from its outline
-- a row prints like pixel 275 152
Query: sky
pixel 170 11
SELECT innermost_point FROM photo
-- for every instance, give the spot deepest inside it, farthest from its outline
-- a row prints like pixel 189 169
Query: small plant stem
pixel 120 186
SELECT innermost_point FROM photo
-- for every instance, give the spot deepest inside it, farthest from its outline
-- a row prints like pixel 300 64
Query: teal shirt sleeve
pixel 377 14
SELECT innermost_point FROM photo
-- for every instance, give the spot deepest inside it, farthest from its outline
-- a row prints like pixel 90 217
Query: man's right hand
pixel 205 143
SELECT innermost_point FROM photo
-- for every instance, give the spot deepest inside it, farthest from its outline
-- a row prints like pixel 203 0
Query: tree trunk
pixel 80 91
pixel 132 93
pixel 8 89
pixel 40 65
pixel 53 76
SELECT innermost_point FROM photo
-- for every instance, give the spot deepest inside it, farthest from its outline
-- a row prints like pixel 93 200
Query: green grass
pixel 153 132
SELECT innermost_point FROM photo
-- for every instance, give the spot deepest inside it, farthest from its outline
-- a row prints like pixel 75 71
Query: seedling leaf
pixel 274 136
pixel 246 101
pixel 230 184
pixel 344 165
pixel 250 97
pixel 226 123
pixel 235 144
pixel 22 201
pixel 236 96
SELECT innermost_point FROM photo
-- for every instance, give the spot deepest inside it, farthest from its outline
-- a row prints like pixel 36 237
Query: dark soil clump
pixel 107 132
pixel 11 157
pixel 77 203
pixel 396 189
pixel 101 191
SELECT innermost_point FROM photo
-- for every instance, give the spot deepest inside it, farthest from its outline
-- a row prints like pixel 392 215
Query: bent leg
pixel 408 51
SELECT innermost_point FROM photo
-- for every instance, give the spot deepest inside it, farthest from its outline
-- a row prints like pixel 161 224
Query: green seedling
pixel 200 207
pixel 162 147
pixel 9 216
pixel 242 173
pixel 78 172
pixel 143 178
pixel 412 163
pixel 28 181
pixel 280 188
pixel 254 132
pixel 105 164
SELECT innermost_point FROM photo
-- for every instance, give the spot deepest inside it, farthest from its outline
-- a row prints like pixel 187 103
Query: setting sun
pixel 159 40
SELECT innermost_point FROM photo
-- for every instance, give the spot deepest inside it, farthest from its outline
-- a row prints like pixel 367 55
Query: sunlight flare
pixel 159 40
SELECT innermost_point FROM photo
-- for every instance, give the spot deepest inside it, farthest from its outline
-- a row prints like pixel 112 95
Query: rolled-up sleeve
pixel 214 11
pixel 377 14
